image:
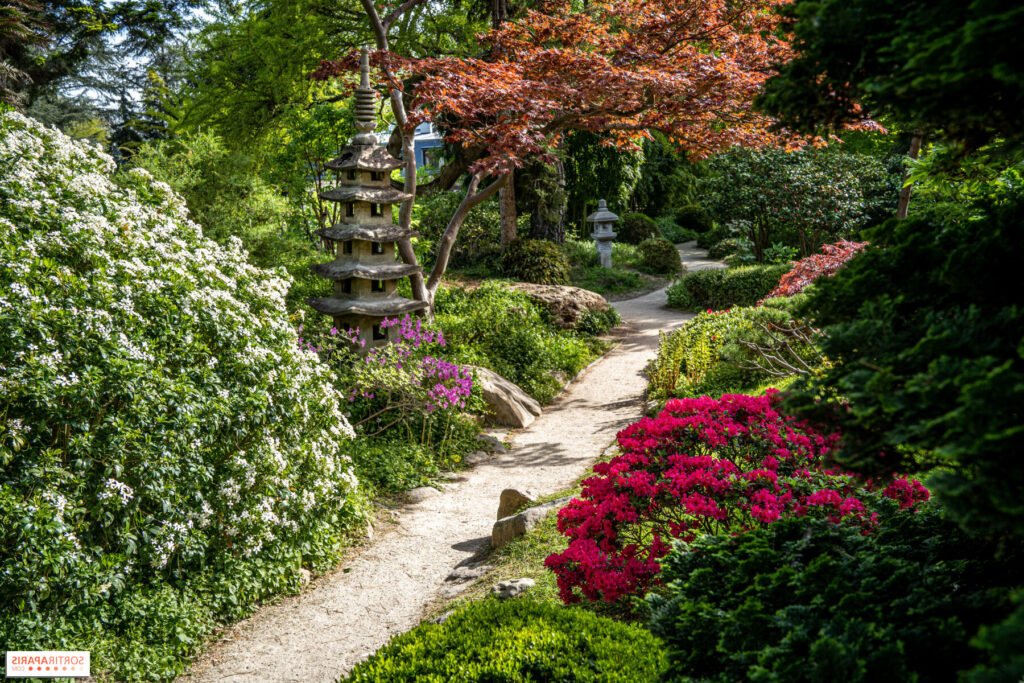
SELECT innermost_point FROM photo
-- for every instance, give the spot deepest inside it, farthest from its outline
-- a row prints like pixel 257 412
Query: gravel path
pixel 346 615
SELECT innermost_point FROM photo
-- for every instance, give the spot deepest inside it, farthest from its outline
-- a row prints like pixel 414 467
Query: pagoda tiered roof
pixel 343 270
pixel 342 232
pixel 393 305
pixel 364 158
pixel 364 193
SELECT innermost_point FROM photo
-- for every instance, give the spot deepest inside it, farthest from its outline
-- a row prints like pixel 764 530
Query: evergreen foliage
pixel 806 600
pixel 537 261
pixel 928 327
pixel 658 256
pixel 950 67
pixel 634 228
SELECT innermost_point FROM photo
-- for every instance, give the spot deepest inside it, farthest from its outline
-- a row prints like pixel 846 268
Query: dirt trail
pixel 346 615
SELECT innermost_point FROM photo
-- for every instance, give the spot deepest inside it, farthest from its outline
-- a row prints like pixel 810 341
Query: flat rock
pixel 468 572
pixel 476 457
pixel 513 588
pixel 509 405
pixel 566 305
pixel 491 443
pixel 512 500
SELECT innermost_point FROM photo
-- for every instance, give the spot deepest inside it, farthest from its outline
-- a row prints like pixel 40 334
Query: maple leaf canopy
pixel 690 69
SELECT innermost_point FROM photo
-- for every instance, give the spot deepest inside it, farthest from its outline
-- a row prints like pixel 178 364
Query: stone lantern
pixel 365 271
pixel 603 219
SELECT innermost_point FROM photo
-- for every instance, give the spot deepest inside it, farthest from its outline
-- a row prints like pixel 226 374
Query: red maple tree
pixel 688 68
pixel 805 271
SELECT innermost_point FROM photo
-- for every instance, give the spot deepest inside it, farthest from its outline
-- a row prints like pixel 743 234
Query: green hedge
pixel 806 600
pixel 719 289
pixel 674 233
pixel 709 354
pixel 693 217
pixel 518 641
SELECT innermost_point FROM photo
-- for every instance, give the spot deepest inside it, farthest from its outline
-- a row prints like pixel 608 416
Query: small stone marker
pixel 512 589
pixel 509 528
pixel 513 499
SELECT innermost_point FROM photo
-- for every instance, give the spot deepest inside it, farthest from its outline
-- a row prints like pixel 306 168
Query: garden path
pixel 382 590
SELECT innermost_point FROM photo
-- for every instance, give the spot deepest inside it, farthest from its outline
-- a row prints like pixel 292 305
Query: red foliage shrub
pixel 805 271
pixel 702 466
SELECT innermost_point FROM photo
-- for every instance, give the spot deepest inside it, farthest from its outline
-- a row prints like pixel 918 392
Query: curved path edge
pixel 346 615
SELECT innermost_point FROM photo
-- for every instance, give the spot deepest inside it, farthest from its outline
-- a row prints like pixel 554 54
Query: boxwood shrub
pixel 659 257
pixel 634 228
pixel 517 641
pixel 168 454
pixel 537 261
pixel 719 289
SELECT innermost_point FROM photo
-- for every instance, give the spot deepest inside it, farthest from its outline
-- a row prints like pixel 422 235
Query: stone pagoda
pixel 365 271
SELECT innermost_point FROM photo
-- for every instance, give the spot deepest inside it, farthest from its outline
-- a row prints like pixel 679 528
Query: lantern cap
pixel 602 215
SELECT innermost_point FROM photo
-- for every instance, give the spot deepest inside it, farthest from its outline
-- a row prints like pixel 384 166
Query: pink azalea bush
pixel 702 466
pixel 398 381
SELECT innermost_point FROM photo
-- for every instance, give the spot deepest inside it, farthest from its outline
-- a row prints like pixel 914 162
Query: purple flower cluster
pixel 403 371
pixel 413 332
pixel 452 384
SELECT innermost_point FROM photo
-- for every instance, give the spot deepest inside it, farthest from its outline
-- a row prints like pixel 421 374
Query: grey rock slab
pixel 491 443
pixel 476 457
pixel 513 588
pixel 566 305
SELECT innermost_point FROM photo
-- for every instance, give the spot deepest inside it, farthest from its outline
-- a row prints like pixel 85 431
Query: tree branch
pixel 399 11
pixel 451 232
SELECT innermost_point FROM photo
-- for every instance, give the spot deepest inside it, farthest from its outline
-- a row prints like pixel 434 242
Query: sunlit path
pixel 347 615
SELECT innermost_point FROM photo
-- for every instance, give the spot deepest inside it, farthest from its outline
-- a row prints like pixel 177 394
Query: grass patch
pixel 524 558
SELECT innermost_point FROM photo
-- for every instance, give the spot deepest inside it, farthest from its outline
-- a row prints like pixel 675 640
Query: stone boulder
pixel 566 305
pixel 510 405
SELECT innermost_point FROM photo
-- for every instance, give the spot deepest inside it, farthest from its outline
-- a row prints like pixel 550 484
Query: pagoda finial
pixel 366 103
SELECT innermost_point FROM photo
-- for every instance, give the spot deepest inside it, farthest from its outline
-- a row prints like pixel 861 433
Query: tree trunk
pixel 507 205
pixel 499 12
pixel 907 189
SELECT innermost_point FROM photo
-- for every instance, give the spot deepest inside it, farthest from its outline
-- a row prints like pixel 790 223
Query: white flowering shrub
pixel 168 454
